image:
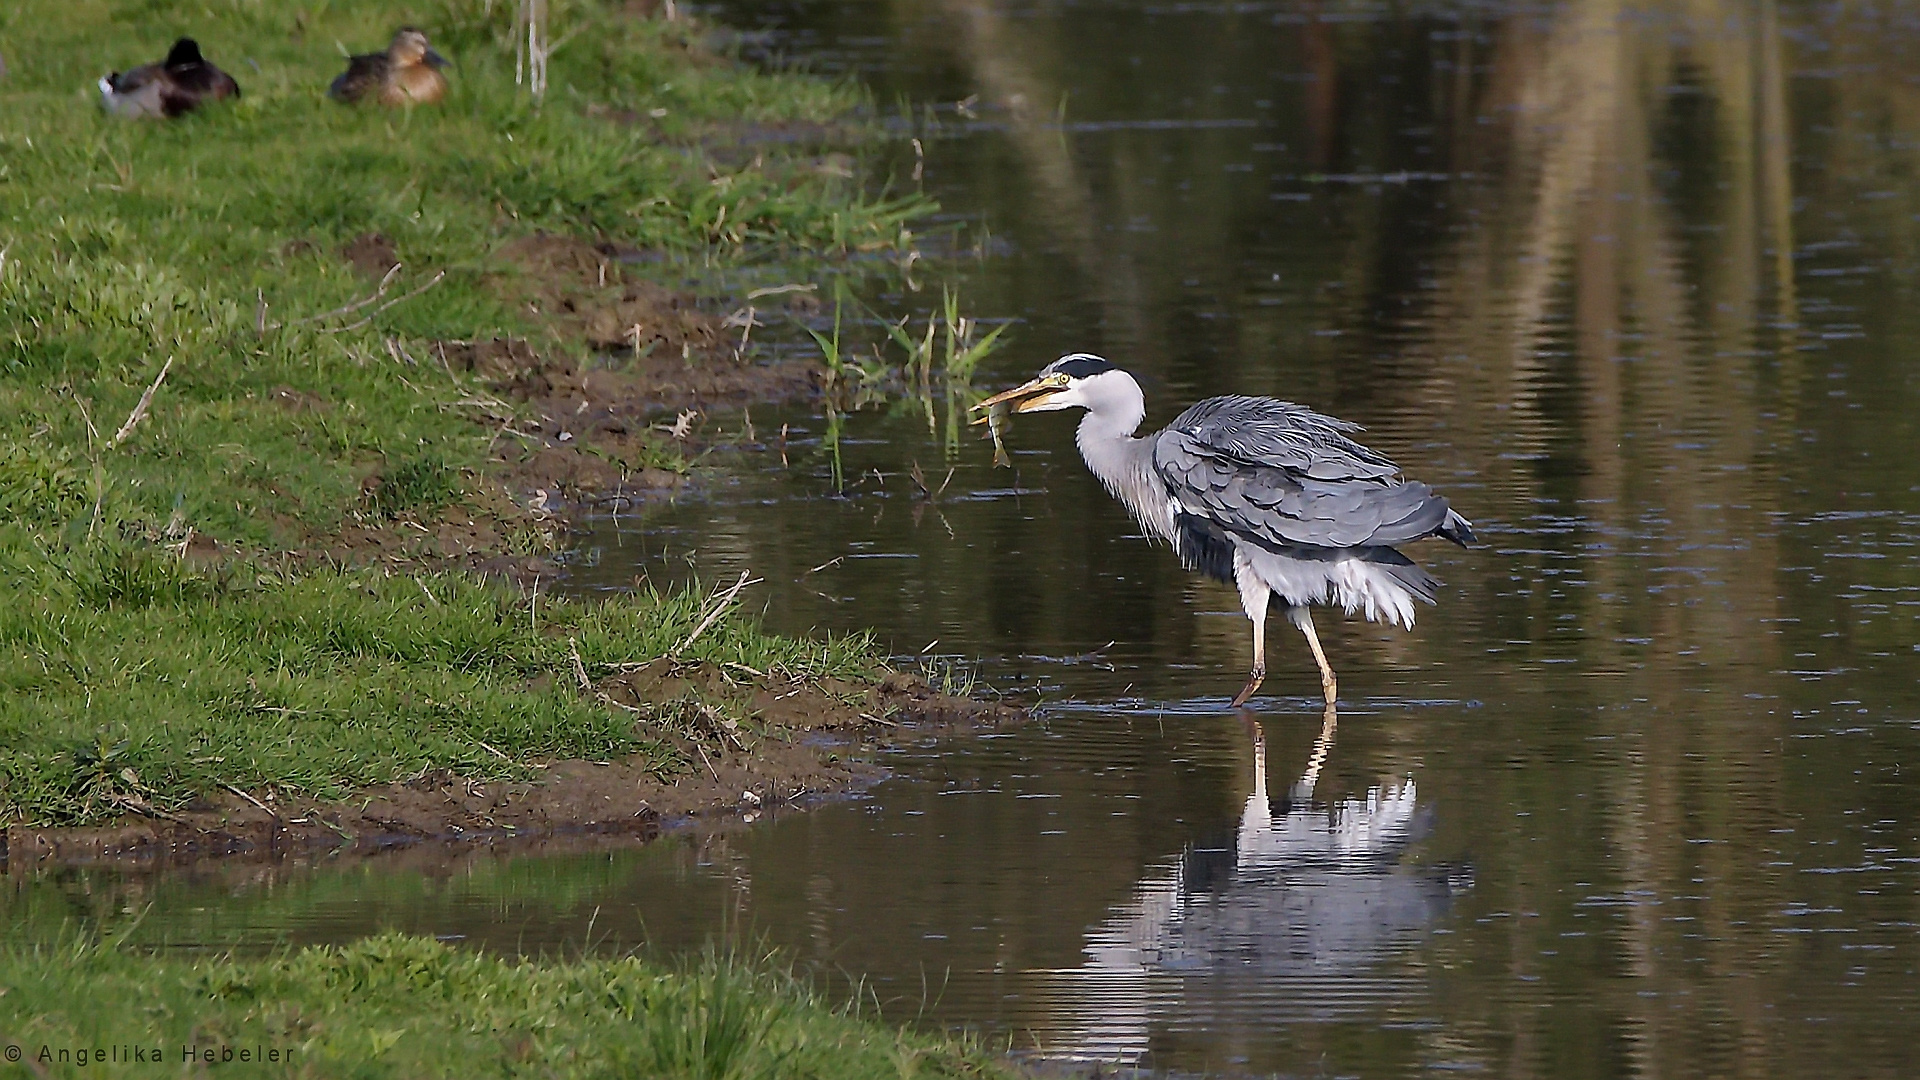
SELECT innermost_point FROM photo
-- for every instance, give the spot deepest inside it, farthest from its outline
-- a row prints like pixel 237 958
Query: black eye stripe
pixel 1079 365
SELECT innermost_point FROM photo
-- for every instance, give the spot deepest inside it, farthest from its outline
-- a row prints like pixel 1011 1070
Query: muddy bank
pixel 569 432
pixel 802 741
pixel 600 433
pixel 623 420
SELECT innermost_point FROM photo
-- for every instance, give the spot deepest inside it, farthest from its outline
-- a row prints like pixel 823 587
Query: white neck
pixel 1124 465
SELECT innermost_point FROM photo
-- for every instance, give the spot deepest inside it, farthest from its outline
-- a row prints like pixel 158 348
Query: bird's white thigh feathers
pixel 1350 582
pixel 1254 590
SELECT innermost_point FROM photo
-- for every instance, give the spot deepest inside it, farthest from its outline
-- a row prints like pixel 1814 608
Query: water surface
pixel 1635 288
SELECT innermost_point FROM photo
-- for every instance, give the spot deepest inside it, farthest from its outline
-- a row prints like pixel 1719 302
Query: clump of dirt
pixel 802 740
pixel 297 401
pixel 371 253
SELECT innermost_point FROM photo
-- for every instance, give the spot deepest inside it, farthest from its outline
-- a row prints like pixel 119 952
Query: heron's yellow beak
pixel 1028 395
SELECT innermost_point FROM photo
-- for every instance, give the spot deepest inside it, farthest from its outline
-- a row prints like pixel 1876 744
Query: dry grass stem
pixel 140 410
pixel 716 607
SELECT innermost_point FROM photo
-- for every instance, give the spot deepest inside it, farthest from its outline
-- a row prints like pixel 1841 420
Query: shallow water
pixel 1634 289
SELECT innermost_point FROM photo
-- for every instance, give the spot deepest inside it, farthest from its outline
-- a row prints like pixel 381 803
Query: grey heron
pixel 1265 495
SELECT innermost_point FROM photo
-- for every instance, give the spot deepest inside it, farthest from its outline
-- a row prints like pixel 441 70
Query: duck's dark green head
pixel 185 53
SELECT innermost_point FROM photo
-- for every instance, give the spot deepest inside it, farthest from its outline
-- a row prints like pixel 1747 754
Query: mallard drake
pixel 173 87
pixel 407 73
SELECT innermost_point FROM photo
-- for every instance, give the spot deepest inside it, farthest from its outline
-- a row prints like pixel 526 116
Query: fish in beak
pixel 1026 397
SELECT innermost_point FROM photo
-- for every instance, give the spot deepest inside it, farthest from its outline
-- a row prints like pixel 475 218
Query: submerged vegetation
pixel 853 381
pixel 404 1006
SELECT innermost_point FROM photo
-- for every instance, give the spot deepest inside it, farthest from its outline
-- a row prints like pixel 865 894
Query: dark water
pixel 1635 287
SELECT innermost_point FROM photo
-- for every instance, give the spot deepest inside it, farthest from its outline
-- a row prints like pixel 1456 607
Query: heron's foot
pixel 1254 680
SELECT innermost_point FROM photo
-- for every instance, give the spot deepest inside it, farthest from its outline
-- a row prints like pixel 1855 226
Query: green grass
pixel 397 1006
pixel 214 243
pixel 126 243
pixel 134 676
pixel 131 678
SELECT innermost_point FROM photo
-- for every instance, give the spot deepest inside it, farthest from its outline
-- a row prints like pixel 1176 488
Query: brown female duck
pixel 173 87
pixel 408 73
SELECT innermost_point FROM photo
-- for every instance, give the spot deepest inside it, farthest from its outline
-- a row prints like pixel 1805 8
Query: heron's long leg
pixel 1254 595
pixel 1259 673
pixel 1303 619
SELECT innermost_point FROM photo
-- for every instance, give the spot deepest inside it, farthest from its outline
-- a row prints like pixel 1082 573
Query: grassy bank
pixel 411 1007
pixel 222 240
pixel 161 640
pixel 135 681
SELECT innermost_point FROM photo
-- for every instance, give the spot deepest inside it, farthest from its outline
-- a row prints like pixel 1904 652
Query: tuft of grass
pixel 417 484
pixel 39 482
pixel 402 1006
pixel 853 382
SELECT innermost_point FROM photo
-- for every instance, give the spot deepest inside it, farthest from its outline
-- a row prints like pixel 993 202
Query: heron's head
pixel 1077 380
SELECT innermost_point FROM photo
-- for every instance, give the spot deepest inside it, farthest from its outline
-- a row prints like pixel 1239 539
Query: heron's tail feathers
pixel 1378 582
pixel 1405 513
pixel 1457 529
pixel 1382 584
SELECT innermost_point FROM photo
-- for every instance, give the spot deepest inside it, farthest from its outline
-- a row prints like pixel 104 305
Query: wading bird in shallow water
pixel 173 87
pixel 1265 495
pixel 408 73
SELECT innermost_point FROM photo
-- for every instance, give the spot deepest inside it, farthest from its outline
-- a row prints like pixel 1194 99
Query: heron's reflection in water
pixel 1287 922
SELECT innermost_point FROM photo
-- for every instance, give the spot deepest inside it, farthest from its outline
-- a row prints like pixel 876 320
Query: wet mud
pixel 600 423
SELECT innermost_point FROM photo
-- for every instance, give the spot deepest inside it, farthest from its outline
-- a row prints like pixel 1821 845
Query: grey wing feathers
pixel 1266 431
pixel 1284 476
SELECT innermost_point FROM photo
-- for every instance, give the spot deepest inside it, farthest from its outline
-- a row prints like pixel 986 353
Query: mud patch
pixel 661 349
pixel 486 532
pixel 583 288
pixel 371 253
pixel 564 388
pixel 804 741
pixel 567 433
pixel 297 401
pixel 605 433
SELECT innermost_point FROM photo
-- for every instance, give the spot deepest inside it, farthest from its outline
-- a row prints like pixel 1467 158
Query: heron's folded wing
pixel 1262 431
pixel 1278 506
